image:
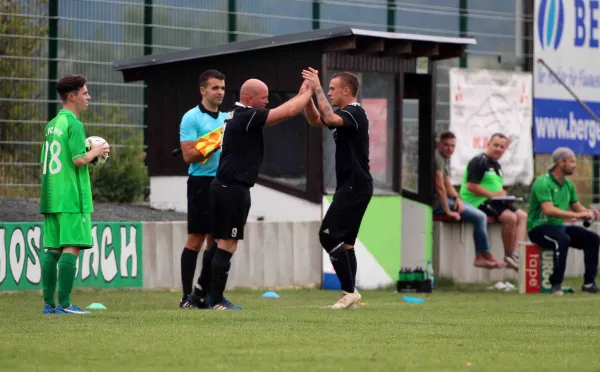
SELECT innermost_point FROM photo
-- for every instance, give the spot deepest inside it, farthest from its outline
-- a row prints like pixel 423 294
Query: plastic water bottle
pixel 430 273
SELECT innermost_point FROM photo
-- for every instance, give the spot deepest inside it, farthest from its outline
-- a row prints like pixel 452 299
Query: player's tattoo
pixel 324 107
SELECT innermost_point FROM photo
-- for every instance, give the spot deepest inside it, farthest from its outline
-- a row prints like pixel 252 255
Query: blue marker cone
pixel 414 300
pixel 270 295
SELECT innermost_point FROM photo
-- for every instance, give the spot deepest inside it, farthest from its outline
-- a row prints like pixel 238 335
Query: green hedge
pixel 124 177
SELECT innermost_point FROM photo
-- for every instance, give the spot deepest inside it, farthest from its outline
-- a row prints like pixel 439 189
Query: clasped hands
pixel 311 80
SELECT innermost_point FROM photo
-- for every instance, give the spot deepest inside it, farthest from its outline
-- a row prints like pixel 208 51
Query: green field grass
pixel 143 330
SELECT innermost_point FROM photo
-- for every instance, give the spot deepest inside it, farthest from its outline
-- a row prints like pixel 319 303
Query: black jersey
pixel 479 165
pixel 242 145
pixel 352 148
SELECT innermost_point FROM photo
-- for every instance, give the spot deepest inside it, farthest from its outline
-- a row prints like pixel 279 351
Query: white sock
pixel 589 285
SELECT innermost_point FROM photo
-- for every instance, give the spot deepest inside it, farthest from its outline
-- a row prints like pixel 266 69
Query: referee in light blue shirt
pixel 196 123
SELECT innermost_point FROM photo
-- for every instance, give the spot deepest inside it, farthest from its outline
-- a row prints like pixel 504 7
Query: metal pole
pixel 585 107
pixel 519 33
pixel 147 51
pixel 463 26
pixel 231 9
pixel 52 56
pixel 391 16
pixel 596 158
pixel 316 14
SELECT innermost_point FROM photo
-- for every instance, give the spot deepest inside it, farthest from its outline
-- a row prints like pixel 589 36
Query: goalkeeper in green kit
pixel 66 199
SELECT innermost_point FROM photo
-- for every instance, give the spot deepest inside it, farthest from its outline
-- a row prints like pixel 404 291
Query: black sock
pixel 220 271
pixel 353 265
pixel 189 258
pixel 203 286
pixel 341 264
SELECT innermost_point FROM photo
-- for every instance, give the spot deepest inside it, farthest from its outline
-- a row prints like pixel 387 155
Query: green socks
pixel 66 264
pixel 66 277
pixel 49 262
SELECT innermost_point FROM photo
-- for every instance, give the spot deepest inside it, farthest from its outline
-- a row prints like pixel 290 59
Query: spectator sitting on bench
pixel 447 202
pixel 553 200
pixel 483 181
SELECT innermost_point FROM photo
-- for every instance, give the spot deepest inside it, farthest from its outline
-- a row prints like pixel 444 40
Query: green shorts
pixel 67 230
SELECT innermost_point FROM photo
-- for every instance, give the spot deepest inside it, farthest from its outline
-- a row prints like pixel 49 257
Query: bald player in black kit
pixel 241 159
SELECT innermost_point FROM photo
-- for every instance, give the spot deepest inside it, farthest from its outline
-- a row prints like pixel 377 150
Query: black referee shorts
pixel 229 208
pixel 344 216
pixel 198 200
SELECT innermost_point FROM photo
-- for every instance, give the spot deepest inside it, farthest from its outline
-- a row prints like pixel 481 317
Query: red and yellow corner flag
pixel 209 143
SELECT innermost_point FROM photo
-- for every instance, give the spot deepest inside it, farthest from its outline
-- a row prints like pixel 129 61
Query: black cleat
pixel 190 303
pixel 591 289
pixel 186 302
pixel 199 301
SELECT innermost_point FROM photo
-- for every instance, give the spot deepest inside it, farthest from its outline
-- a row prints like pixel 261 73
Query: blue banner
pixel 559 123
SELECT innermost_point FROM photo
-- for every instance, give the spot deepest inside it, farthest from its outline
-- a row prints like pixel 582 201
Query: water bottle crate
pixel 416 279
pixel 418 286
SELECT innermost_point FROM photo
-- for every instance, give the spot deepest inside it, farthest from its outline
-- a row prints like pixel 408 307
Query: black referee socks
pixel 189 258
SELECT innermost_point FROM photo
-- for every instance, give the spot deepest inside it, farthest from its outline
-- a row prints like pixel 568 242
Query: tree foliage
pixel 123 178
pixel 88 48
pixel 22 45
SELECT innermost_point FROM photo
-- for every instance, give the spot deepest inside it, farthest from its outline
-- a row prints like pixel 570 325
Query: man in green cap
pixel 553 200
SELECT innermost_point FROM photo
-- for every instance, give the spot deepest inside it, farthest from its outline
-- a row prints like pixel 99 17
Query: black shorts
pixel 344 216
pixel 198 199
pixel 494 208
pixel 230 207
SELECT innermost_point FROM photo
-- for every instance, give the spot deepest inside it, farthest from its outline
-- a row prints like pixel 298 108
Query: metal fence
pixel 41 40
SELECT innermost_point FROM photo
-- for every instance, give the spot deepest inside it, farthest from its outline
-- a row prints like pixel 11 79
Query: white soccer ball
pixel 88 146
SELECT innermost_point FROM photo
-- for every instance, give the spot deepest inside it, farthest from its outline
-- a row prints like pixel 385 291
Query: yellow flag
pixel 209 142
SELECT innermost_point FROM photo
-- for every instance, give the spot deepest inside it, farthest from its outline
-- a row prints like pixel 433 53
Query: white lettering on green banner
pixel 114 261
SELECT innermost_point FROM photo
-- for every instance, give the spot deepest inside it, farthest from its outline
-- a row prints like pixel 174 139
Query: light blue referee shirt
pixel 196 123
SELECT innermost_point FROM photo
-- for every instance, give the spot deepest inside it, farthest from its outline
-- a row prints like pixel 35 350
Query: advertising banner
pixel 535 268
pixel 115 260
pixel 566 38
pixel 484 102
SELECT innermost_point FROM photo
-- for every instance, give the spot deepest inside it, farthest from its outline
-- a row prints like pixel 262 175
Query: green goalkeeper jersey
pixel 65 186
